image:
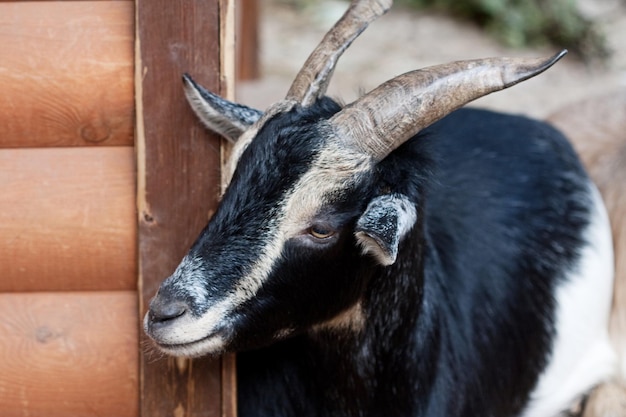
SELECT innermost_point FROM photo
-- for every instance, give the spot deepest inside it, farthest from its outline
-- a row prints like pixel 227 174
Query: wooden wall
pixel 68 252
pixel 105 179
pixel 66 133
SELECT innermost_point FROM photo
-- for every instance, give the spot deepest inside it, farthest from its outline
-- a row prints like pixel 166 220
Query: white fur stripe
pixel 331 172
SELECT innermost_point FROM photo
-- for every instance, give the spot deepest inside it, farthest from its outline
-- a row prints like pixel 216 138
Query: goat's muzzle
pixel 176 330
pixel 163 313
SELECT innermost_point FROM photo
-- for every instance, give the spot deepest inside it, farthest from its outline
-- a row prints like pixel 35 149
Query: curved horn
pixel 312 80
pixel 382 120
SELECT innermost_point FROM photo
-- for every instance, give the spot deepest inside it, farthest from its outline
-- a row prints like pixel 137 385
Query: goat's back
pixel 514 219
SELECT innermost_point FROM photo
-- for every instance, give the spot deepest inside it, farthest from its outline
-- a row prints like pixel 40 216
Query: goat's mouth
pixel 177 332
pixel 212 344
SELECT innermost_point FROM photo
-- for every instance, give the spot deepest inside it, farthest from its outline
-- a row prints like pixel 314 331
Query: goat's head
pixel 304 218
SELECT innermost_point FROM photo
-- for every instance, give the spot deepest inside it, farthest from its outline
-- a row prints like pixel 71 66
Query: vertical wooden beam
pixel 228 50
pixel 248 14
pixel 178 165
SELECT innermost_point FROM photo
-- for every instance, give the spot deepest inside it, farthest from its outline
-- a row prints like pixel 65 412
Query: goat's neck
pixel 379 333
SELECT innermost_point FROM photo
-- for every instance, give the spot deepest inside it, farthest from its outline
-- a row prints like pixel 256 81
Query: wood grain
pixel 228 54
pixel 178 166
pixel 67 219
pixel 68 354
pixel 66 73
pixel 248 39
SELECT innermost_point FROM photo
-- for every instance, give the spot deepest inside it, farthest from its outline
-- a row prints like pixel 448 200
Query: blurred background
pixel 419 33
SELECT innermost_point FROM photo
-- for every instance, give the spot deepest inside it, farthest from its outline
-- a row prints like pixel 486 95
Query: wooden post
pixel 178 182
pixel 248 39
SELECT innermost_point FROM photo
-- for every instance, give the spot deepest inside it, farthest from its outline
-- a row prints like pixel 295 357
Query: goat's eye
pixel 321 232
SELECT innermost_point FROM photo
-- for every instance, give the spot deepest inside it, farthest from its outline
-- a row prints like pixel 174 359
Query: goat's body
pixel 382 263
pixel 485 305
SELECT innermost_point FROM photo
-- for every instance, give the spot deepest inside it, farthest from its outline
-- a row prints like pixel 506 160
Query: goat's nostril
pixel 167 312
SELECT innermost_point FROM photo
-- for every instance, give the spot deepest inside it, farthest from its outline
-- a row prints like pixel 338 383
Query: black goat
pixel 396 257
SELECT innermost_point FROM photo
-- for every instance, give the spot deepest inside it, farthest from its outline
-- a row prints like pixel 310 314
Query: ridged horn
pixel 383 119
pixel 313 79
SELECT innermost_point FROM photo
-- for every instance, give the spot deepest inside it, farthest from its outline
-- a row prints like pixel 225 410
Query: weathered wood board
pixel 178 166
pixel 68 354
pixel 66 73
pixel 67 219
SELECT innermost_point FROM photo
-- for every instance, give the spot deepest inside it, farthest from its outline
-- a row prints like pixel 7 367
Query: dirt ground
pixel 403 40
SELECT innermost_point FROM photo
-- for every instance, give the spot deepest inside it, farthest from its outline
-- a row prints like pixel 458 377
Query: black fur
pixel 462 324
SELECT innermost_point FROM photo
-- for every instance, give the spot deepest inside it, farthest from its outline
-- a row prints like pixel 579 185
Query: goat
pixel 397 256
pixel 597 128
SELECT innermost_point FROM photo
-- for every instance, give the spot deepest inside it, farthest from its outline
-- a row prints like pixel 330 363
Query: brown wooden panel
pixel 178 182
pixel 67 219
pixel 66 73
pixel 24 1
pixel 248 39
pixel 68 354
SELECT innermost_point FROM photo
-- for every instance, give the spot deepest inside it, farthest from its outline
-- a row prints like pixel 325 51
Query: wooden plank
pixel 54 1
pixel 248 39
pixel 67 219
pixel 228 53
pixel 68 354
pixel 66 73
pixel 229 385
pixel 178 182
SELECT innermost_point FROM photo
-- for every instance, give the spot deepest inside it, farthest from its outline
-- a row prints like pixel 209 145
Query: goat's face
pixel 280 254
pixel 304 220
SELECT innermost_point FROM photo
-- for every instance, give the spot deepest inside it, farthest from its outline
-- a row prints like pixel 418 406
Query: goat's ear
pixel 221 116
pixel 384 223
